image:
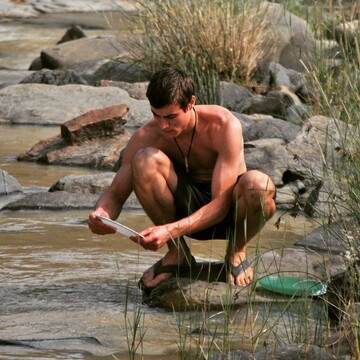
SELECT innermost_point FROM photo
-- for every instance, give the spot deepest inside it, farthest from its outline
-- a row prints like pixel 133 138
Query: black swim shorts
pixel 191 196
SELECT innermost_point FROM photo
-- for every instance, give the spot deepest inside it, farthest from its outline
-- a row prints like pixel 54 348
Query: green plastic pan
pixel 294 286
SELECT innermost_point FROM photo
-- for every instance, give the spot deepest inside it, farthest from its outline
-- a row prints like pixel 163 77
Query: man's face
pixel 172 119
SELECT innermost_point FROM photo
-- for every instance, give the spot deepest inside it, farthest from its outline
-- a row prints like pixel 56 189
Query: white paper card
pixel 122 229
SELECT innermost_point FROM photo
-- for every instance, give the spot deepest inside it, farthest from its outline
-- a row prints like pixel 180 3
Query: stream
pixel 66 293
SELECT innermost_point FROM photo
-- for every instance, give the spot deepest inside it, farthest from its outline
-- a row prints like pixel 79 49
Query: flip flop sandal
pixel 239 269
pixel 174 269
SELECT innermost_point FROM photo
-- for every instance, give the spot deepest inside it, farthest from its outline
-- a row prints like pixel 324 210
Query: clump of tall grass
pixel 210 40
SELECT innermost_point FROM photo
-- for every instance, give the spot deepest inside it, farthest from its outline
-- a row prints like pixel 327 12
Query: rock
pixel 346 34
pixel 74 33
pixel 84 184
pixel 85 50
pixel 234 97
pixel 269 156
pixel 273 103
pixel 270 75
pixel 136 90
pixel 64 6
pixel 271 129
pixel 96 123
pixel 62 200
pixel 314 150
pixel 331 238
pixel 54 77
pixel 53 201
pixel 12 77
pixel 232 355
pixel 298 114
pixel 344 292
pixel 118 71
pixel 10 10
pixel 295 351
pixel 39 104
pixel 97 153
pixel 292 42
pixel 8 184
pixel 26 9
pixel 205 285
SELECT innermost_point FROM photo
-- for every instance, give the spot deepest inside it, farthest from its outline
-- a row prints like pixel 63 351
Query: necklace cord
pixel 191 142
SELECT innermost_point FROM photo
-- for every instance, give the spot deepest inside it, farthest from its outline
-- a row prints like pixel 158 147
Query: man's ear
pixel 192 102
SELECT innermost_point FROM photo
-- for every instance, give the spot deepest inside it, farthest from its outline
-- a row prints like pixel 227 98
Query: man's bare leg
pixel 154 181
pixel 254 194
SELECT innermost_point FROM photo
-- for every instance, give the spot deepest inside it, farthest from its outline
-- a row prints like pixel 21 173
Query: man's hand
pixel 97 226
pixel 154 238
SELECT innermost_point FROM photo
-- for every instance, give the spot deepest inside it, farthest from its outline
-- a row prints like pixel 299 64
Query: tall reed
pixel 210 40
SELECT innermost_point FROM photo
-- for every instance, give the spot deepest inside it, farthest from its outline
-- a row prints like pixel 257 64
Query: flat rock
pixel 39 103
pixel 205 286
pixel 96 123
pixel 61 200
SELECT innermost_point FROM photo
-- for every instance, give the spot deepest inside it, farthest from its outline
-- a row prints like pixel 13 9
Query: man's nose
pixel 163 122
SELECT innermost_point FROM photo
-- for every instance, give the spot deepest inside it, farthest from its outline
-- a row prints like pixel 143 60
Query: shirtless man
pixel 187 168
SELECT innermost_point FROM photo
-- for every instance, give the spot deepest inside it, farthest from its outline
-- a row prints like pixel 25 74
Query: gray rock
pixel 234 97
pixel 118 71
pixel 10 10
pixel 295 351
pixel 54 77
pixel 271 129
pixel 298 114
pixel 12 77
pixel 84 184
pixel 136 90
pixel 85 50
pixel 74 33
pixel 269 156
pixel 61 200
pixel 39 103
pixel 209 278
pixel 233 355
pixel 8 184
pixel 293 41
pixel 332 238
pixel 273 103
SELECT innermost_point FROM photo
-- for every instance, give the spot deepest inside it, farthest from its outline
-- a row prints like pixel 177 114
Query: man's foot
pixel 162 270
pixel 240 273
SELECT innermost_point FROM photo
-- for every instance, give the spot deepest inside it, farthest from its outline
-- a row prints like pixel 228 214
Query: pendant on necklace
pixel 186 164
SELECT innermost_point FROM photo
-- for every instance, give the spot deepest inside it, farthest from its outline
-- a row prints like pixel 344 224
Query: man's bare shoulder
pixel 219 117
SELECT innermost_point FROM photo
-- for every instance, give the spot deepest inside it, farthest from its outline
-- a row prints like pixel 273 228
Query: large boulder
pixel 293 42
pixel 39 104
pixel 71 53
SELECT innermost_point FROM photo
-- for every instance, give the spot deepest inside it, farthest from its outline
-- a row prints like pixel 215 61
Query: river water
pixel 66 293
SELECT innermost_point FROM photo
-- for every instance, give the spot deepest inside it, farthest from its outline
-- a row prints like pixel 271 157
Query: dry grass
pixel 211 40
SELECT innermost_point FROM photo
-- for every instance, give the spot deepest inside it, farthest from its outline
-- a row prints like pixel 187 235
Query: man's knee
pixel 143 157
pixel 257 188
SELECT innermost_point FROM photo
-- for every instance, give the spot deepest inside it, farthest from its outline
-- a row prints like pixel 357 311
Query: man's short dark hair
pixel 170 86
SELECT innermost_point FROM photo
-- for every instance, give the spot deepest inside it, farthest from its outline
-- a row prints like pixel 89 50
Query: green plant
pixel 210 40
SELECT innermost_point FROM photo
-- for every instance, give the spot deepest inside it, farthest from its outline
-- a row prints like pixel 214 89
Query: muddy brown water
pixel 66 293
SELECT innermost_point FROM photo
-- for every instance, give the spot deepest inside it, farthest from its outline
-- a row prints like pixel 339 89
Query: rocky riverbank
pixel 77 80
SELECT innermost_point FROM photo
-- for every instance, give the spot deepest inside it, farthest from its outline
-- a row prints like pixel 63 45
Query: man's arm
pixel 112 200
